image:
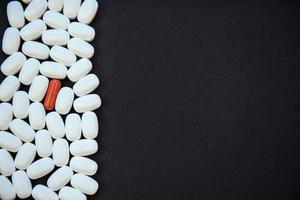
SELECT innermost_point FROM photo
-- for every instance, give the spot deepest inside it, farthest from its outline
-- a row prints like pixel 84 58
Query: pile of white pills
pixel 48 41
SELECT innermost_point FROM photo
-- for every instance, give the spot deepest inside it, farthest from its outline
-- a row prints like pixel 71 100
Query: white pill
pixel 87 103
pixel 25 156
pixel 22 130
pixel 89 125
pixel 60 178
pixel 83 147
pixel 15 14
pixel 83 165
pixel 13 63
pixel 73 127
pixel 87 11
pixel 55 37
pixel 60 152
pixel 6 115
pixel 8 87
pixel 38 88
pixel 35 9
pixel 86 85
pixel 7 166
pixel 84 184
pixel 56 20
pixel 37 115
pixel 21 184
pixel 11 40
pixel 62 55
pixel 53 70
pixel 29 70
pixel 64 100
pixel 20 104
pixel 9 142
pixel 43 142
pixel 82 31
pixel 81 48
pixel 55 5
pixel 41 192
pixel 7 192
pixel 55 125
pixel 69 193
pixel 33 30
pixel 36 50
pixel 71 8
pixel 40 168
pixel 79 69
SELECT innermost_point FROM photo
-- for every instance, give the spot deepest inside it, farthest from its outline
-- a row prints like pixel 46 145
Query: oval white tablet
pixel 55 5
pixel 9 142
pixel 25 156
pixel 55 37
pixel 81 48
pixel 55 125
pixel 87 103
pixel 69 193
pixel 60 152
pixel 83 165
pixel 89 125
pixel 87 11
pixel 40 168
pixel 38 88
pixel 60 178
pixel 35 9
pixel 8 87
pixel 7 166
pixel 41 192
pixel 36 50
pixel 29 70
pixel 7 192
pixel 71 8
pixel 83 147
pixel 21 184
pixel 11 40
pixel 15 14
pixel 53 70
pixel 22 130
pixel 13 63
pixel 56 20
pixel 37 115
pixel 86 85
pixel 82 31
pixel 62 55
pixel 33 30
pixel 43 142
pixel 73 127
pixel 84 184
pixel 6 115
pixel 20 104
pixel 64 100
pixel 79 69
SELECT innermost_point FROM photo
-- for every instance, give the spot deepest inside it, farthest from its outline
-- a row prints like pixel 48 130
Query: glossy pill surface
pixel 11 40
pixel 20 104
pixel 81 48
pixel 43 142
pixel 40 168
pixel 7 192
pixel 7 166
pixel 36 50
pixel 53 70
pixel 79 69
pixel 73 127
pixel 82 31
pixel 60 178
pixel 13 63
pixel 15 14
pixel 33 30
pixel 71 8
pixel 55 125
pixel 87 103
pixel 9 142
pixel 89 125
pixel 60 152
pixel 55 5
pixel 25 156
pixel 55 37
pixel 86 85
pixel 37 115
pixel 35 9
pixel 41 192
pixel 38 88
pixel 64 100
pixel 83 165
pixel 8 87
pixel 56 20
pixel 21 184
pixel 29 70
pixel 51 95
pixel 62 55
pixel 87 11
pixel 83 147
pixel 69 193
pixel 22 130
pixel 6 115
pixel 85 184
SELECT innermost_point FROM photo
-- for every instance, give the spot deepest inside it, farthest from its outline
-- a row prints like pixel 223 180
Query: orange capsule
pixel 52 92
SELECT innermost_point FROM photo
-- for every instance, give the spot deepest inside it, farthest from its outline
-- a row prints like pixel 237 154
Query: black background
pixel 200 99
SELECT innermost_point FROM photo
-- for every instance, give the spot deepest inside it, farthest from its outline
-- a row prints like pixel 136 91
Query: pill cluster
pixel 48 41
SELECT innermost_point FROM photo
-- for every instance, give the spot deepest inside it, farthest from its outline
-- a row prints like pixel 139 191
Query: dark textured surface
pixel 200 100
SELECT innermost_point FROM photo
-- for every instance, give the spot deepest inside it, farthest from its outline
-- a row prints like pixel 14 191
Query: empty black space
pixel 200 99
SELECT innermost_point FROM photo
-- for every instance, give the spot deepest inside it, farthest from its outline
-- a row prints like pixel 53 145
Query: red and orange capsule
pixel 52 92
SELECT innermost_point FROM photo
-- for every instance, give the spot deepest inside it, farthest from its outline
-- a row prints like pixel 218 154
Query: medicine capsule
pixel 52 92
pixel 7 192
